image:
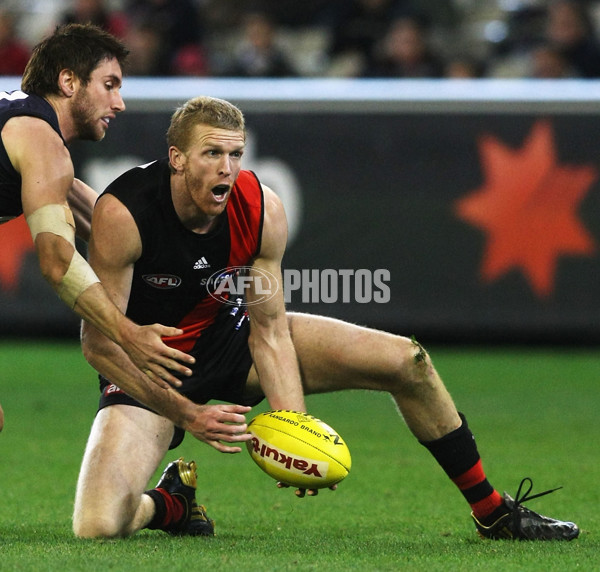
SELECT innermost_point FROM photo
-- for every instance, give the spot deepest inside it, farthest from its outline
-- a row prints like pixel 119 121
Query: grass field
pixel 534 413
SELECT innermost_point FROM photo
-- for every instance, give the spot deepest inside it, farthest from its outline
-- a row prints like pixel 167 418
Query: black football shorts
pixel 223 361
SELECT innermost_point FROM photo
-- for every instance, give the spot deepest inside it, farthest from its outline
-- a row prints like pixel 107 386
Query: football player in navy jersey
pixel 180 240
pixel 71 90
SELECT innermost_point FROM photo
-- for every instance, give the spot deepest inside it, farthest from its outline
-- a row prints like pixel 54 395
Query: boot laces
pixel 524 496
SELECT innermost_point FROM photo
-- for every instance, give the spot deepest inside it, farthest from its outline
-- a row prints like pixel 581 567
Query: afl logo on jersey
pixel 162 281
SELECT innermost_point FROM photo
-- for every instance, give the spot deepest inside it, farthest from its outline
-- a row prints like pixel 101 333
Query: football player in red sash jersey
pixel 166 237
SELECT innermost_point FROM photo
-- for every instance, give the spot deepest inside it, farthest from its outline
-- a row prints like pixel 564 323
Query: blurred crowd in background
pixel 326 38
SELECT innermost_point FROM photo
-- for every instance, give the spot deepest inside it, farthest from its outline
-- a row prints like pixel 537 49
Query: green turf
pixel 534 413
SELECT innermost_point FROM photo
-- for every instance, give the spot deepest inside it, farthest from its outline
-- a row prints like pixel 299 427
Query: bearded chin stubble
pixel 83 118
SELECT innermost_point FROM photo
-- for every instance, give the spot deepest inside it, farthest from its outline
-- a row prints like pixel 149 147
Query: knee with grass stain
pixel 421 355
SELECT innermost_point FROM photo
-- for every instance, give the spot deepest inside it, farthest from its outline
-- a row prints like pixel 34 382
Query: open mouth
pixel 220 190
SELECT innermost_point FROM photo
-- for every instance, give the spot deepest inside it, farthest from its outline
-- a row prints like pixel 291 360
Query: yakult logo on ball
pixel 284 459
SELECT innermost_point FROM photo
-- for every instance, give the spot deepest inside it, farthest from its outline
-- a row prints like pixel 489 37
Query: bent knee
pixel 416 373
pixel 420 360
pixel 96 523
pixel 96 528
pixel 111 517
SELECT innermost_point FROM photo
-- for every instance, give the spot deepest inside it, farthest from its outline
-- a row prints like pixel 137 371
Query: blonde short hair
pixel 203 110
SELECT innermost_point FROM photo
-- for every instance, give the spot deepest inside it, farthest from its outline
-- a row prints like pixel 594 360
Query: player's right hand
pixel 153 357
pixel 214 424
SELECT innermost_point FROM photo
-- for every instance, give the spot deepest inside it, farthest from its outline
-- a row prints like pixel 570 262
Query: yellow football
pixel 298 449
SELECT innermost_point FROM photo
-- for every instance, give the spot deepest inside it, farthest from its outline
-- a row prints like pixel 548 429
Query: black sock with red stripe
pixel 457 454
pixel 169 509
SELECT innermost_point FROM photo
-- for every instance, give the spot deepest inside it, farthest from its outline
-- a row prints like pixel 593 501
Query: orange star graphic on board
pixel 527 208
pixel 16 242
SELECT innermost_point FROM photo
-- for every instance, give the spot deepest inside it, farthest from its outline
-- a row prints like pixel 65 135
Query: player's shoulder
pixel 28 114
pixel 272 203
pixel 16 100
pixel 140 179
pixel 19 103
pixel 140 187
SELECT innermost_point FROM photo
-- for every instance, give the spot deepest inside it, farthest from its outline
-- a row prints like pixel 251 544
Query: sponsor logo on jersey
pixel 201 263
pixel 112 388
pixel 162 281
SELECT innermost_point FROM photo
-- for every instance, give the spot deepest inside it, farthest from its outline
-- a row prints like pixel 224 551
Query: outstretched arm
pixel 271 344
pixel 46 170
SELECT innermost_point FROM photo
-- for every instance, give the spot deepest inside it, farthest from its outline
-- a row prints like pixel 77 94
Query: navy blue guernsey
pixel 170 279
pixel 13 104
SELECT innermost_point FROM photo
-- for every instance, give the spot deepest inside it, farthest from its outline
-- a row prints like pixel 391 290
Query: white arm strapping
pixel 58 219
pixel 78 278
pixel 54 218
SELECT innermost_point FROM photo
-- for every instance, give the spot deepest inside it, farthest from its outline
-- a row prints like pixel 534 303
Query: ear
pixel 177 159
pixel 67 82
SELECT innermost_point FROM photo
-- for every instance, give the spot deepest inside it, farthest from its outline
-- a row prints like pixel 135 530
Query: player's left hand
pixel 301 493
pixel 148 351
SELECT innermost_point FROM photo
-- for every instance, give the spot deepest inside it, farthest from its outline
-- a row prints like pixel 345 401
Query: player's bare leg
pixel 125 447
pixel 335 355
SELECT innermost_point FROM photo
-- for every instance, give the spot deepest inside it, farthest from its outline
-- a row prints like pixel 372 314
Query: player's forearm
pixel 278 372
pixel 112 362
pixel 70 275
pixel 96 308
pixel 75 282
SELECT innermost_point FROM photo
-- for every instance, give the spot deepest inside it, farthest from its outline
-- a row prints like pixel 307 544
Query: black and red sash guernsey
pixel 170 279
